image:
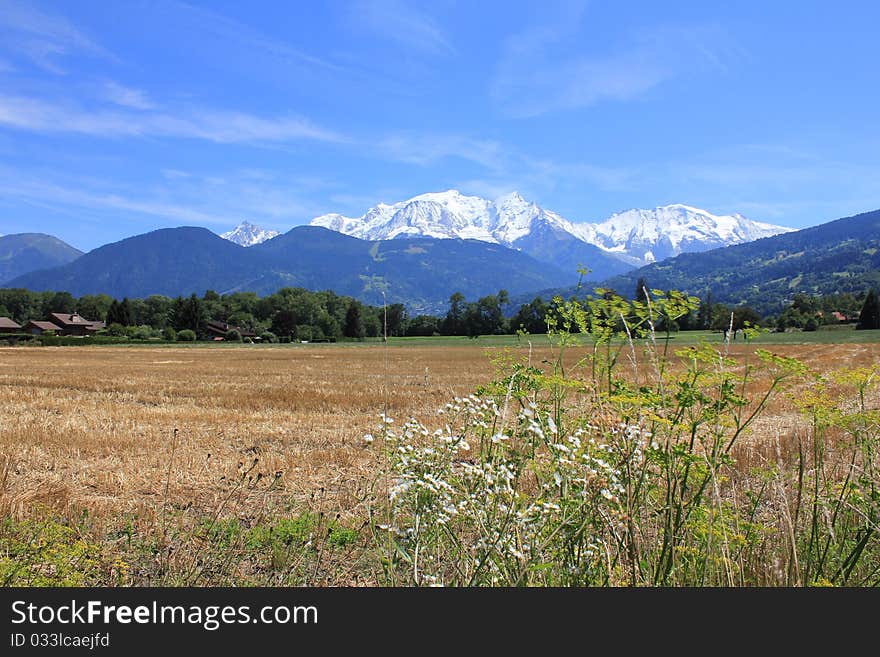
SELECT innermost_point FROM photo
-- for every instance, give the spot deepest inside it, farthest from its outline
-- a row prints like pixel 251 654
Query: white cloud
pixel 218 126
pixel 212 200
pixel 425 149
pixel 551 68
pixel 41 37
pixel 408 25
pixel 240 38
pixel 126 96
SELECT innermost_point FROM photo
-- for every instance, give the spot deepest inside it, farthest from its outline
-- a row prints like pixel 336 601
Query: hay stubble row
pixel 94 428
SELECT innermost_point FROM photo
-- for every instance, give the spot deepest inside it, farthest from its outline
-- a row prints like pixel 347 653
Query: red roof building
pixel 75 324
pixel 9 326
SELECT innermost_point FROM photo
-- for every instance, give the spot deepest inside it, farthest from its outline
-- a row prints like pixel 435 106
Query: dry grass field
pixel 162 443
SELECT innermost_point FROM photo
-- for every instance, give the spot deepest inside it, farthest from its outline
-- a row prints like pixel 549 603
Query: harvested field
pixel 242 431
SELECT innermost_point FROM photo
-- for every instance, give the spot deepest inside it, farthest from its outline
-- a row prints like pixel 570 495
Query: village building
pixel 74 324
pixel 8 325
pixel 221 329
pixel 38 328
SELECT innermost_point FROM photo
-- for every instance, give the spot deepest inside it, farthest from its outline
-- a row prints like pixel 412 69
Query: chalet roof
pixel 43 326
pixel 224 328
pixel 66 319
pixel 6 323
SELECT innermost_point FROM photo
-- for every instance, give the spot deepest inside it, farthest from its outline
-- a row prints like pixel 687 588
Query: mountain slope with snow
pixel 247 234
pixel 623 241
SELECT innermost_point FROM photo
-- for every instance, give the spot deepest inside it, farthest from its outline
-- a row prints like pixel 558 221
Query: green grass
pixel 825 335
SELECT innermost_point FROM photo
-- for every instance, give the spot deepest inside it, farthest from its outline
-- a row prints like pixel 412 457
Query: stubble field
pixel 153 449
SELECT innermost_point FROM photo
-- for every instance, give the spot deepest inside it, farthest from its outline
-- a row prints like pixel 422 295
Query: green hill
pixel 422 273
pixel 835 257
pixel 26 252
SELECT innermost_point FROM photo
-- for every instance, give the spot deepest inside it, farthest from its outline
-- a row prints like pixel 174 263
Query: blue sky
pixel 121 117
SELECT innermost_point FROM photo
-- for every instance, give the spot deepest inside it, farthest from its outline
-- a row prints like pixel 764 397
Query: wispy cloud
pixel 41 37
pixel 126 96
pixel 505 168
pixel 550 68
pixel 425 149
pixel 406 24
pixel 238 36
pixel 218 200
pixel 218 126
pixel 50 194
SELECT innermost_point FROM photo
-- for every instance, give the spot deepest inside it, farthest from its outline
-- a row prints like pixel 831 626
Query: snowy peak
pixel 635 237
pixel 247 234
pixel 666 231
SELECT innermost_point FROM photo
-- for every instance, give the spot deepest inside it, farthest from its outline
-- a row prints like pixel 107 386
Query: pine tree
pixel 113 313
pixel 126 316
pixel 869 318
pixel 354 322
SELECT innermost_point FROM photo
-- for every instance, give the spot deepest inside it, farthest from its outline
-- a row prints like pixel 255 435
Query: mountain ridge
pixel 842 255
pixel 22 253
pixel 422 272
pixel 632 237
pixel 248 234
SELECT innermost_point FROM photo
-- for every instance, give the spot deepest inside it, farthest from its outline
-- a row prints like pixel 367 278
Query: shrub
pixel 144 332
pixel 621 471
pixel 268 336
pixel 169 334
pixel 116 330
pixel 186 335
pixel 233 336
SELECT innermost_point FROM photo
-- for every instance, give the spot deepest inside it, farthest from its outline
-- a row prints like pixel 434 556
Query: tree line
pixel 300 314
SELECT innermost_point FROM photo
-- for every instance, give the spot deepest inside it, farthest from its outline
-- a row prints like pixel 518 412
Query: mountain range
pixel 831 258
pixel 623 241
pixel 422 273
pixel 27 252
pixel 247 234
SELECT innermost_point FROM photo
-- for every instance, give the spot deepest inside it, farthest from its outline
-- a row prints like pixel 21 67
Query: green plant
pixel 618 469
pixel 45 552
pixel 186 335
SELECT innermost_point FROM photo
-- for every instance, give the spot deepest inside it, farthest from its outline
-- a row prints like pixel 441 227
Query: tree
pixel 454 322
pixel 704 313
pixel 485 317
pixel 186 335
pixel 126 315
pixel 120 313
pixel 397 316
pixel 189 314
pixel 354 322
pixel 424 325
pixel 869 318
pixel 284 323
pixel 642 290
pixel 743 315
pixel 95 307
pixel 60 302
pixel 531 317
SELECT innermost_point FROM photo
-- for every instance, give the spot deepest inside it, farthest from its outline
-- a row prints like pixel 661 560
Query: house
pixel 220 329
pixel 38 328
pixel 75 324
pixel 9 326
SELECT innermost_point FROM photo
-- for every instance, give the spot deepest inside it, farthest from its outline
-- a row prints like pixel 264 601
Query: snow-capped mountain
pixel 634 237
pixel 246 234
pixel 645 236
pixel 447 215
